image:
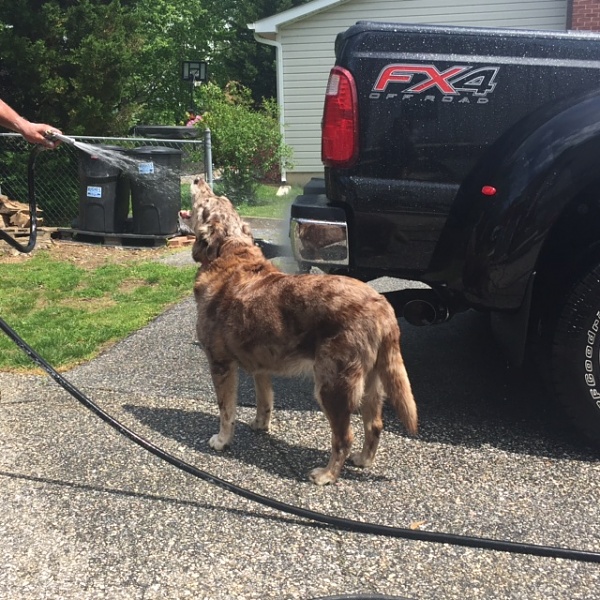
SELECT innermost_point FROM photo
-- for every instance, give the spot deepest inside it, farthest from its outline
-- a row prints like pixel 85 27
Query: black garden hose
pixel 330 520
pixel 32 207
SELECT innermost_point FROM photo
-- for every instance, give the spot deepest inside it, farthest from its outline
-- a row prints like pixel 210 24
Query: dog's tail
pixel 393 375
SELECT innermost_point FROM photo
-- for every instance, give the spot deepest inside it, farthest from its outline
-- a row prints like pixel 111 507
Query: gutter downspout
pixel 280 93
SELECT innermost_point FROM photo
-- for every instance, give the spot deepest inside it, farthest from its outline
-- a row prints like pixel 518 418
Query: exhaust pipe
pixel 422 312
pixel 421 306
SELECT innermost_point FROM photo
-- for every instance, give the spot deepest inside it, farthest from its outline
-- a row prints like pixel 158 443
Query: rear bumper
pixel 319 232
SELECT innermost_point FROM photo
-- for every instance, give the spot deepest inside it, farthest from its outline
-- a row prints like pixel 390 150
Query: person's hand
pixel 36 133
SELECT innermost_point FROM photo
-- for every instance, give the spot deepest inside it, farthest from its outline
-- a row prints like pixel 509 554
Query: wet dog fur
pixel 251 315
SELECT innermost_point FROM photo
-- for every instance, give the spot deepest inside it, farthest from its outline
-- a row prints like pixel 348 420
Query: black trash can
pixel 156 190
pixel 103 194
pixel 167 132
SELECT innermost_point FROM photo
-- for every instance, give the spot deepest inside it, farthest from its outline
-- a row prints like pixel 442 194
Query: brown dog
pixel 252 315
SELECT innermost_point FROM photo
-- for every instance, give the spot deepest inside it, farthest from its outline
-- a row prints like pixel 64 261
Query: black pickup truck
pixel 469 159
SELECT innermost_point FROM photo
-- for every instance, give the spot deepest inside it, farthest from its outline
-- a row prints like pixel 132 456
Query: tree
pixel 173 31
pixel 69 63
pixel 239 57
pixel 99 67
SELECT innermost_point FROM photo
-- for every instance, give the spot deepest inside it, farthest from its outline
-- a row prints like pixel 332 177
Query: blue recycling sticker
pixel 94 191
pixel 146 168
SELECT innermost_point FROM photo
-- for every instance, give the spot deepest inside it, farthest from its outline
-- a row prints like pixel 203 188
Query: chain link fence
pixel 56 171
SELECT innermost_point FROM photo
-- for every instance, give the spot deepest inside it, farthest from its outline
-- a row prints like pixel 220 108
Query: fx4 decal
pixel 451 82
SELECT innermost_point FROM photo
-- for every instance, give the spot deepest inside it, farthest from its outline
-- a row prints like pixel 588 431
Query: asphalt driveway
pixel 88 514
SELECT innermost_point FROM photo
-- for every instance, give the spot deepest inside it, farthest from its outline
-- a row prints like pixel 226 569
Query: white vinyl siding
pixel 307 51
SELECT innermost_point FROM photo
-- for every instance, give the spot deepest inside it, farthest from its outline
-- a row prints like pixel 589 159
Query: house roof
pixel 269 26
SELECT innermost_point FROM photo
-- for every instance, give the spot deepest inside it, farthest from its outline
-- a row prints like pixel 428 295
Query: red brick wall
pixel 585 14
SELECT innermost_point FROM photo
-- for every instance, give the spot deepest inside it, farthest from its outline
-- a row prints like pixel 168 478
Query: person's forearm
pixel 10 119
pixel 36 133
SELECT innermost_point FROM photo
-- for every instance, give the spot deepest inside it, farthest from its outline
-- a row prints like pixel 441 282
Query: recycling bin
pixel 103 193
pixel 155 190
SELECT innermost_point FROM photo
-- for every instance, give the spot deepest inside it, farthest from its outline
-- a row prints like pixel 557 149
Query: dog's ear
pixel 199 251
pixel 209 238
pixel 201 211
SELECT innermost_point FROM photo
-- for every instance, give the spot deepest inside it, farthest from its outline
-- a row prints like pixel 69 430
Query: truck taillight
pixel 339 138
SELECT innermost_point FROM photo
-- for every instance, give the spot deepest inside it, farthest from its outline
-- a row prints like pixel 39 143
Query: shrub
pixel 247 142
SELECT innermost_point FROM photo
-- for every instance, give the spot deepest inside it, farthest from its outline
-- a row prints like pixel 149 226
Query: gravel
pixel 88 514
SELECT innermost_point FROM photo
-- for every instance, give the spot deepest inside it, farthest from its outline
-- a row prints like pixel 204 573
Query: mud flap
pixel 511 329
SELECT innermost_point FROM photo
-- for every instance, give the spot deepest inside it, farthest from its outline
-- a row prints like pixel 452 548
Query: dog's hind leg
pixel 264 402
pixel 370 410
pixel 225 380
pixel 341 442
pixel 338 399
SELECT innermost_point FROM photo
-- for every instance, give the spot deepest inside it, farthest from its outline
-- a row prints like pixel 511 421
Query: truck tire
pixel 575 355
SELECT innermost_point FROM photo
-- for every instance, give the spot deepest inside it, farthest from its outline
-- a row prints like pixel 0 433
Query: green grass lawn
pixel 277 210
pixel 69 314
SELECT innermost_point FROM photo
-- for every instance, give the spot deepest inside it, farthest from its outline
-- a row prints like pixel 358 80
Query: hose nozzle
pixel 55 136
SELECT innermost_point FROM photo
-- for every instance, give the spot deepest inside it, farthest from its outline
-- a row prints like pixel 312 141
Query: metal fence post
pixel 208 157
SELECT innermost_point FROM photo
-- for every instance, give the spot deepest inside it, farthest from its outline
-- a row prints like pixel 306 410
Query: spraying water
pixel 142 169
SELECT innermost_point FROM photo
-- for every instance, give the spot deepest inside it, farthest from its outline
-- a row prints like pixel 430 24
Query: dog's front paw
pixel 216 443
pixel 358 460
pixel 260 424
pixel 322 476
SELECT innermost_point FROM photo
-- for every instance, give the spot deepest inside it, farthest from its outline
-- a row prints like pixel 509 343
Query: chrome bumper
pixel 319 243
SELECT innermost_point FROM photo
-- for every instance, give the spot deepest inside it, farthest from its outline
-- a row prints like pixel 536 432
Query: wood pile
pixel 14 214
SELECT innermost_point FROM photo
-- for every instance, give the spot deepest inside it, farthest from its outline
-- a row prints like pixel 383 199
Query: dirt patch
pixel 87 256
